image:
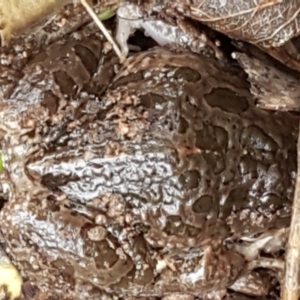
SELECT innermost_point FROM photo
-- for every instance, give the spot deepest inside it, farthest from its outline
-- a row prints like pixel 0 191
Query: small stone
pixel 97 233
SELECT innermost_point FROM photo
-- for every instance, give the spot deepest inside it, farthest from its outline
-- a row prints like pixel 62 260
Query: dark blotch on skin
pixel 271 202
pixel 190 179
pixel 183 125
pixel 28 290
pixel 236 200
pixel 2 202
pixel 66 83
pixel 80 111
pixel 149 100
pixel 253 137
pixel 87 57
pixel 128 79
pixel 203 204
pixel 52 204
pixel 212 138
pixel 53 182
pixel 51 102
pixel 216 161
pixel 66 270
pixel 187 74
pixel 94 88
pixel 192 231
pixel 103 254
pixel 250 167
pixel 8 80
pixel 174 225
pixel 227 100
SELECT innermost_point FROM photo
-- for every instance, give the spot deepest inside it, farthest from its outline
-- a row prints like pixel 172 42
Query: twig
pixel 103 29
pixel 290 284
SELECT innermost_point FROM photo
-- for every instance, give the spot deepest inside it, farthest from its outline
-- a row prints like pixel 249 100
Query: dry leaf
pixel 18 15
pixel 287 54
pixel 273 88
pixel 290 287
pixel 269 23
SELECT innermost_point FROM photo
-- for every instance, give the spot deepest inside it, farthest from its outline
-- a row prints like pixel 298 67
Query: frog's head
pixel 20 125
pixel 21 136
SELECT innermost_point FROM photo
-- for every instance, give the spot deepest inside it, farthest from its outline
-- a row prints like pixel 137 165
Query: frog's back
pixel 178 136
pixel 174 155
pixel 224 158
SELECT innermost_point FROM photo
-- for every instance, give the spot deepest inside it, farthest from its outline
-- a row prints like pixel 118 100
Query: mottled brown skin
pixel 139 192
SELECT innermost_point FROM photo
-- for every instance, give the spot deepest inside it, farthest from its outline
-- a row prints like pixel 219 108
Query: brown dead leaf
pixel 290 286
pixel 10 279
pixel 18 15
pixel 274 89
pixel 269 23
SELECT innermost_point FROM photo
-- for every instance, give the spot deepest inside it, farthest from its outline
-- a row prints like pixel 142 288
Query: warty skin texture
pixel 139 190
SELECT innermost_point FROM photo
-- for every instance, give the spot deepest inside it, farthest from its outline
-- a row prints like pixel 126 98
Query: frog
pixel 154 181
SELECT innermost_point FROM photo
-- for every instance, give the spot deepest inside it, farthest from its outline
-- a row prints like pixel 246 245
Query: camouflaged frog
pixel 167 184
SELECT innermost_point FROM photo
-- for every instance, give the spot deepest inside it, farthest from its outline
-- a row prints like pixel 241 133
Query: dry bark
pixel 270 23
pixel 290 286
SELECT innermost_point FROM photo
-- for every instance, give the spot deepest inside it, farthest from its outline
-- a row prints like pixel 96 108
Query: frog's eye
pixel 107 14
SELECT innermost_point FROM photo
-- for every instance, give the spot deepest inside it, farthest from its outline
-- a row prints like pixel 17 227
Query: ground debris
pixel 17 15
pixel 290 288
